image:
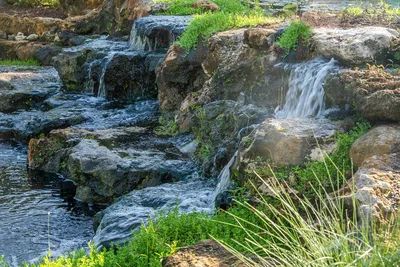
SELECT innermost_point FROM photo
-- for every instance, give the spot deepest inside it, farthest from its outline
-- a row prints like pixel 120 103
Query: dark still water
pixel 26 199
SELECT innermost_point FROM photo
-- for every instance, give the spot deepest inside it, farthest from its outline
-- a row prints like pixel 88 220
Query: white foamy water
pixel 306 96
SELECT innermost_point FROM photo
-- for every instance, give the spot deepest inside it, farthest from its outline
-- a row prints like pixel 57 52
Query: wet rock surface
pixel 133 209
pixel 23 87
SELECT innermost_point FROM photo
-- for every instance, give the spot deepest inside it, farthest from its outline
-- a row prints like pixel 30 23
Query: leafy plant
pixel 166 128
pixel 290 37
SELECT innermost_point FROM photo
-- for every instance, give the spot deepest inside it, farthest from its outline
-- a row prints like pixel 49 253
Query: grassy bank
pixel 229 15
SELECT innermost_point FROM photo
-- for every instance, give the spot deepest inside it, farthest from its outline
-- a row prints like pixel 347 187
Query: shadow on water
pixel 26 199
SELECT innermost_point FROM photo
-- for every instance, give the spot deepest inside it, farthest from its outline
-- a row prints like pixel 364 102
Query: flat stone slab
pixel 23 87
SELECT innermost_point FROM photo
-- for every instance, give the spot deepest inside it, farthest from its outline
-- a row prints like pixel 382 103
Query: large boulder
pixel 373 93
pixel 286 142
pixel 206 253
pixel 375 188
pixel 354 46
pixel 383 139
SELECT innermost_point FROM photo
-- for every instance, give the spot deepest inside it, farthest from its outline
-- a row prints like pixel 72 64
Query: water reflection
pixel 26 199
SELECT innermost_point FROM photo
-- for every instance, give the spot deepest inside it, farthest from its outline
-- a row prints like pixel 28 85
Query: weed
pixel 28 62
pixel 290 37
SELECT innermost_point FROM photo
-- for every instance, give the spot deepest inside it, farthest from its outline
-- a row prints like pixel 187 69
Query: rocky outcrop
pixel 206 253
pixel 104 166
pixel 13 25
pixel 374 189
pixel 354 46
pixel 26 87
pixel 24 50
pixel 239 61
pixel 373 93
pixel 381 140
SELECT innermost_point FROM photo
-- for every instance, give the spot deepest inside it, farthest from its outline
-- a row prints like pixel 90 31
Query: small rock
pixel 205 5
pixel 3 35
pixel 11 37
pixel 32 37
pixel 20 36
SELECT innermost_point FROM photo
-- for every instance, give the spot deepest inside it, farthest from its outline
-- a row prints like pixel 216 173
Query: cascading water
pixel 306 95
pixel 102 87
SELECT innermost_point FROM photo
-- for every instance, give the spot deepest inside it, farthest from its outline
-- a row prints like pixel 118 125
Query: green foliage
pixel 166 128
pixel 161 238
pixel 34 3
pixel 231 14
pixel 319 234
pixel 290 37
pixel 28 62
pixel 315 174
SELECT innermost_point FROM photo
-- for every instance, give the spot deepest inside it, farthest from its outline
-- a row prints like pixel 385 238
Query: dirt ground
pixel 30 11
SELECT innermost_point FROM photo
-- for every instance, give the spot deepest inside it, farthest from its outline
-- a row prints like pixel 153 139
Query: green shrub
pixel 290 37
pixel 34 3
pixel 29 62
pixel 166 128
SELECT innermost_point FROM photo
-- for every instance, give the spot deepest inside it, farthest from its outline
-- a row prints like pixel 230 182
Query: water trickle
pixel 224 178
pixel 102 86
pixel 157 32
pixel 306 95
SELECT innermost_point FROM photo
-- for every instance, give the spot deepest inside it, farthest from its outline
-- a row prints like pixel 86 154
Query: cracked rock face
pixel 375 188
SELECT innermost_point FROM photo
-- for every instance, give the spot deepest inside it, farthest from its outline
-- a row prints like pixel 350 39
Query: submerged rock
pixel 383 139
pixel 354 46
pixel 25 87
pixel 373 93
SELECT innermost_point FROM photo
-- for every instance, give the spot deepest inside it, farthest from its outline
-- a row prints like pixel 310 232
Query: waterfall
pixel 305 96
pixel 102 86
pixel 224 177
pixel 138 42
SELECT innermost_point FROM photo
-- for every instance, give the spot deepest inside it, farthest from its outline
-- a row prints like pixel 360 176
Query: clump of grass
pixel 28 62
pixel 381 13
pixel 290 37
pixel 319 235
pixel 232 14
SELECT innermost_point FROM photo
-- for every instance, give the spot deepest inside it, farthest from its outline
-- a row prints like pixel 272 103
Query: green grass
pixel 232 14
pixel 160 239
pixel 29 62
pixel 290 37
